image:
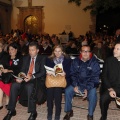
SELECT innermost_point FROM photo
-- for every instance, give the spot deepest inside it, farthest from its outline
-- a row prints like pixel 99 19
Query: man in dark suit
pixel 110 86
pixel 33 67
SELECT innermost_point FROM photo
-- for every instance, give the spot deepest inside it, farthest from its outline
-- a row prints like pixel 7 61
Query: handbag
pixel 7 77
pixel 55 81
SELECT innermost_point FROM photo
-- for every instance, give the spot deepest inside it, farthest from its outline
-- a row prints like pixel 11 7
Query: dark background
pixel 108 21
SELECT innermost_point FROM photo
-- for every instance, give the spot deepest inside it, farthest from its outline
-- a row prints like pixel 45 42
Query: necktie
pixel 31 67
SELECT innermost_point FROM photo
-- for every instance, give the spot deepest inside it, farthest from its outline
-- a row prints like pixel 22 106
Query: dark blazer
pixel 48 50
pixel 39 66
pixel 16 64
pixel 111 74
pixel 66 67
pixel 38 81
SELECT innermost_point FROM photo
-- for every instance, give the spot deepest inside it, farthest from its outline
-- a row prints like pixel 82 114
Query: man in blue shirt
pixel 85 71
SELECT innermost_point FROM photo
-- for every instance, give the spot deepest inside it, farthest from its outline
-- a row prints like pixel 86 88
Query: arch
pixel 31 24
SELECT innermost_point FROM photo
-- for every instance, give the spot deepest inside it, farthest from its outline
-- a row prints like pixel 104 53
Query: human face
pixel 116 51
pixel 58 52
pixel 33 51
pixel 12 52
pixel 85 52
pixel 99 45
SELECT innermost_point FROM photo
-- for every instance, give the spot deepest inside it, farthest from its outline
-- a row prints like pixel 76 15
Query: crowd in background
pixel 101 45
pixel 19 43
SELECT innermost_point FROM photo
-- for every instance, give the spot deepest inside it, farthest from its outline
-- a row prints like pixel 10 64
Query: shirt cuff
pixel 33 76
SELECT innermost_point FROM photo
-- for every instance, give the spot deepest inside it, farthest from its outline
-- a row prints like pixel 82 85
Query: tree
pixel 99 6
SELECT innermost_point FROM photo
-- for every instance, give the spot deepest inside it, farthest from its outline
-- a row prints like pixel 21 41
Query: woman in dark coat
pixel 55 93
pixel 11 64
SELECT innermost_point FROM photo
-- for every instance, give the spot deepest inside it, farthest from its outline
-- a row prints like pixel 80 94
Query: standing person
pixel 110 86
pixel 33 67
pixel 84 71
pixel 55 93
pixel 10 64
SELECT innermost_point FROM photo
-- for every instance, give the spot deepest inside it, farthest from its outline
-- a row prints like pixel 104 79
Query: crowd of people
pixel 27 54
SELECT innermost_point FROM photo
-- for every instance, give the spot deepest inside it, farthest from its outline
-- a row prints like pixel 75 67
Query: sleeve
pixel 93 80
pixel 23 64
pixel 41 72
pixel 66 68
pixel 105 80
pixel 73 73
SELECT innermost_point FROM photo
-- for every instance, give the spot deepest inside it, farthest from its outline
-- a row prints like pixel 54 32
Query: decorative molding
pixel 25 12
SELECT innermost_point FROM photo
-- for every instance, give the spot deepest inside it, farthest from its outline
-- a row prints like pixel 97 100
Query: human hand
pixel 5 70
pixel 112 93
pixel 48 73
pixel 62 74
pixel 28 78
pixel 85 94
pixel 18 81
pixel 76 89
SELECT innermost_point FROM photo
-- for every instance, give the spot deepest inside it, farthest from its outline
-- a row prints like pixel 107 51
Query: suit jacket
pixel 38 81
pixel 48 50
pixel 39 66
pixel 111 74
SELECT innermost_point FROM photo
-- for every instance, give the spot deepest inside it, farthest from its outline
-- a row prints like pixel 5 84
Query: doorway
pixel 31 24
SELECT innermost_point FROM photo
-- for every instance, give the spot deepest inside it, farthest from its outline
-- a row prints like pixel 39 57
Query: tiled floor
pixel 79 114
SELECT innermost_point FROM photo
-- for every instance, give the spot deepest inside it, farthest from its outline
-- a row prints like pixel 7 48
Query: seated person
pixel 110 86
pixel 10 63
pixel 44 48
pixel 85 71
pixel 100 51
pixel 33 67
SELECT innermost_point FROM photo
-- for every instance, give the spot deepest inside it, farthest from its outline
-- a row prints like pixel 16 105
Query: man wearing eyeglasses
pixel 85 71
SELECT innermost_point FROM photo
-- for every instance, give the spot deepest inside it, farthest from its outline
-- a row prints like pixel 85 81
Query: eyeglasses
pixel 83 51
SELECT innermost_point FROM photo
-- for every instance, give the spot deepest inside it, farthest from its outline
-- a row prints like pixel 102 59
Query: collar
pixel 80 57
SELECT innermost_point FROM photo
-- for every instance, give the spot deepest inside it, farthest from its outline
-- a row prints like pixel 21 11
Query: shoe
pixel 1 107
pixel 89 117
pixel 33 116
pixel 57 118
pixel 49 117
pixel 9 115
pixel 68 115
pixel 103 118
